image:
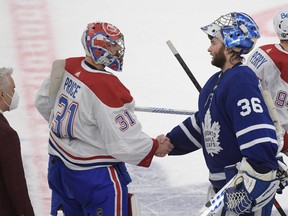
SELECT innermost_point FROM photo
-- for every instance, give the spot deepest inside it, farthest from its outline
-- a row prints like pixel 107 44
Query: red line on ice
pixel 264 20
pixel 34 52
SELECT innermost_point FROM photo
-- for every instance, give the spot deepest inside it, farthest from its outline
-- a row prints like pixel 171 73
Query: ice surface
pixel 35 32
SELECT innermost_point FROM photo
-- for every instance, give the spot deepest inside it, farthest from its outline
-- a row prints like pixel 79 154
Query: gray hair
pixel 4 81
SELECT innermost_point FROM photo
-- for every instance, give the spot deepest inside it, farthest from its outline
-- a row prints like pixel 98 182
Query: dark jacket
pixel 14 198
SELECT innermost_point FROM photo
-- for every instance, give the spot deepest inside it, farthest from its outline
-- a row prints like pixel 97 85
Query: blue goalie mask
pixel 236 30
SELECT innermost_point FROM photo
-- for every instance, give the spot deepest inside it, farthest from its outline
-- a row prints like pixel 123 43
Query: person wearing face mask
pixel 14 197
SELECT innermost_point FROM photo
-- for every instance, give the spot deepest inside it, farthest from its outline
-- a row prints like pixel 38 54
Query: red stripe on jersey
pixel 148 159
pixel 79 158
pixel 279 58
pixel 107 87
pixel 285 146
pixel 118 191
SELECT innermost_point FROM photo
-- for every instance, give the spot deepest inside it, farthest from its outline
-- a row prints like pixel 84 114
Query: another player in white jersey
pixel 270 63
pixel 93 128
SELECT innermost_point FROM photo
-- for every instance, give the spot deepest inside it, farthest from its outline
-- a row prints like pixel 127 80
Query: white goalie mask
pixel 280 23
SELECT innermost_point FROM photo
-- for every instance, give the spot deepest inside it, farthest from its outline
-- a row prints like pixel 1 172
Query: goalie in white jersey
pixel 93 128
pixel 270 63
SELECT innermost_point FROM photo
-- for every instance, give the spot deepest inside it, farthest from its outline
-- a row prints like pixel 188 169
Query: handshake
pixel 165 146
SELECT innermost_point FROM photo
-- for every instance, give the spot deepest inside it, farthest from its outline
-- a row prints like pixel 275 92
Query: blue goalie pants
pixel 95 192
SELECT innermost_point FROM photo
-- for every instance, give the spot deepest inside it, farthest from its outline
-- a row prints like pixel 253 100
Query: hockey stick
pixel 272 112
pixel 163 110
pixel 183 64
pixel 215 204
pixel 57 76
pixel 274 116
pixel 279 208
pixel 193 79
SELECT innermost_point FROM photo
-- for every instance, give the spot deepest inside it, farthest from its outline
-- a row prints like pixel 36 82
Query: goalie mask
pixel 96 39
pixel 281 24
pixel 236 30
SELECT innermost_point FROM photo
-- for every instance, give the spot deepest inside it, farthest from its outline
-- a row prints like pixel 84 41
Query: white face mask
pixel 14 101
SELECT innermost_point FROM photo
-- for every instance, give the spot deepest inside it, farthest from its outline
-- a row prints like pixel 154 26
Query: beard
pixel 219 59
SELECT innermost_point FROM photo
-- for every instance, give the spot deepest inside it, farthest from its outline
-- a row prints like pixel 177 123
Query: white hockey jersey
pixel 92 121
pixel 270 63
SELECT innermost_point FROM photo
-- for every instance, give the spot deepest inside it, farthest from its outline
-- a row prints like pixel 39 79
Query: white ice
pixel 35 32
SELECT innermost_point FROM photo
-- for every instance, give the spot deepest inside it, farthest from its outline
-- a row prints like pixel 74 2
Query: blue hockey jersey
pixel 232 122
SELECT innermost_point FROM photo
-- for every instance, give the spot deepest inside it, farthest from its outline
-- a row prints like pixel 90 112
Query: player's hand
pixel 165 146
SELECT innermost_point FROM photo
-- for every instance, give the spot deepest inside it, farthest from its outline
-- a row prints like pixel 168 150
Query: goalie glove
pixel 250 190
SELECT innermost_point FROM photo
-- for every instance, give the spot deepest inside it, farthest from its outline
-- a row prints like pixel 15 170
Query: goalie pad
pixel 250 190
pixel 133 205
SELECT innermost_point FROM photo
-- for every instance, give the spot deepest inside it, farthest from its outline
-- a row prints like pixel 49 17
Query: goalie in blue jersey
pixel 233 127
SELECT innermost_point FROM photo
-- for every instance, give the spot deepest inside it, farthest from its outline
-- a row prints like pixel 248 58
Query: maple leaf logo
pixel 211 135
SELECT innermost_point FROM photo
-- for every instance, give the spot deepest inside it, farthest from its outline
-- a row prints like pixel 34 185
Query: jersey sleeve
pixel 186 136
pixel 263 66
pixel 123 135
pixel 255 62
pixel 251 122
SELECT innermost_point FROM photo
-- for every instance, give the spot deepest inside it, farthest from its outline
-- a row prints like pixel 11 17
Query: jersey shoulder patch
pixel 279 58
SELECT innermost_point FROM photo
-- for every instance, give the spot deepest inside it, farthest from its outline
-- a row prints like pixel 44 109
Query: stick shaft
pixel 163 110
pixel 279 208
pixel 184 66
